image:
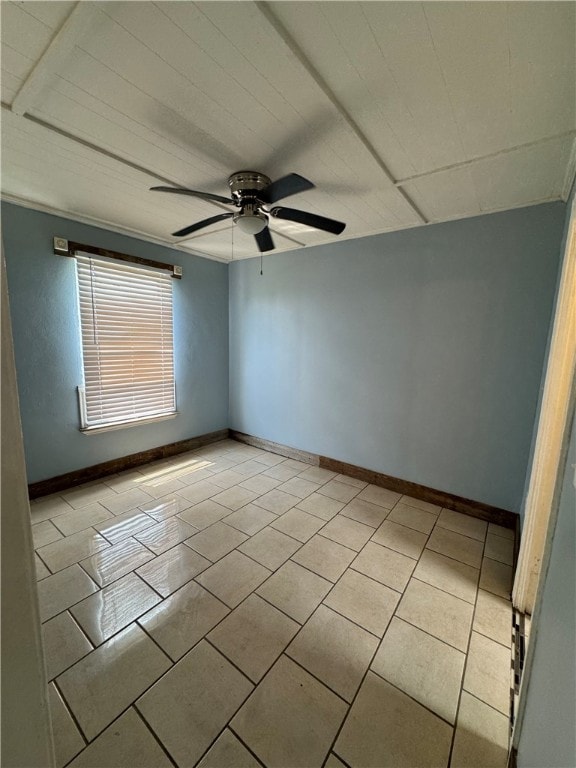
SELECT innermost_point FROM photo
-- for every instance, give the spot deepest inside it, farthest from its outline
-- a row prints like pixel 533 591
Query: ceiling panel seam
pixel 59 47
pixel 283 33
pixel 481 158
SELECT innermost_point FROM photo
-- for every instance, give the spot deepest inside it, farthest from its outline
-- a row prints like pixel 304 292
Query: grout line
pixel 318 680
pixel 419 703
pixel 154 734
pixel 71 712
pixel 244 744
pixel 463 678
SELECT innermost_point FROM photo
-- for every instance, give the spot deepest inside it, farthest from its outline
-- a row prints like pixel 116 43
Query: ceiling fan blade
pixel 194 193
pixel 310 219
pixel 264 240
pixel 202 224
pixel 284 187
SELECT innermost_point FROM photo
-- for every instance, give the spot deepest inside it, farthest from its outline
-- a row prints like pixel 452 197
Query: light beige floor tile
pixel 127 500
pixel 405 540
pixel 192 703
pixel 321 506
pixel 111 609
pixel 382 496
pixel 420 504
pixel 493 617
pixel 45 533
pixel 162 486
pixel 216 541
pixel 260 484
pixel 116 561
pixel 412 517
pixel 200 491
pixel 464 524
pixel 351 481
pixel 250 519
pixel 364 601
pixel 100 686
pixel 233 578
pixel 365 512
pixel 481 735
pixel 249 468
pixel 295 590
pixel 277 501
pixel 325 557
pixel 235 497
pixel 334 650
pixel 127 742
pixel 333 762
pixel 347 532
pixel 452 544
pixel 170 570
pixel 228 752
pixel 299 486
pixel 204 514
pixel 195 475
pixel 500 530
pixel 499 548
pixel 271 548
pixel 125 525
pixel 253 636
pixel 495 577
pixel 298 524
pixel 422 666
pixel 183 619
pixel 68 740
pixel 163 536
pixel 41 571
pixel 63 589
pixel 446 617
pixel 47 508
pixel 64 552
pixel 64 644
pixel 165 507
pixel 290 719
pixel 385 565
pixel 415 738
pixel 488 672
pixel 87 494
pixel 339 491
pixel 124 481
pixel 80 519
pixel 450 575
pixel 227 479
pixel 270 459
pixel 281 472
pixel 317 475
pixel 301 466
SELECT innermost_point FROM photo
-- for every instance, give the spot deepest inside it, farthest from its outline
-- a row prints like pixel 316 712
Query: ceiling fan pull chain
pixel 261 257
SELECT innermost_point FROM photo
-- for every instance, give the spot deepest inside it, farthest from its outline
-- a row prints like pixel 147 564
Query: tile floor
pixel 230 607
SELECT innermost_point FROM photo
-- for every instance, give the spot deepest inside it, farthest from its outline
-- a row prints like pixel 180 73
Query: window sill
pixel 126 424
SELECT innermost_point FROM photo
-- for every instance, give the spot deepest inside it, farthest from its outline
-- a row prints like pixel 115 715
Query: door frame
pixel 542 496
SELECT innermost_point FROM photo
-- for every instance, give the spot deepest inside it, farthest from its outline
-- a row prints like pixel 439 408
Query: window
pixel 127 343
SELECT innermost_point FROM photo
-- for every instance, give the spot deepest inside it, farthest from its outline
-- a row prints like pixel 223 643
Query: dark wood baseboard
pixel 86 474
pixel 441 498
pixel 281 450
pixel 406 487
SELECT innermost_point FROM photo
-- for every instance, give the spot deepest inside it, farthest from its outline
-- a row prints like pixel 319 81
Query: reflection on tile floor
pixel 230 607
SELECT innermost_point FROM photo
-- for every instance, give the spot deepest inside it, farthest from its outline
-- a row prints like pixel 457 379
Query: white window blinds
pixel 127 342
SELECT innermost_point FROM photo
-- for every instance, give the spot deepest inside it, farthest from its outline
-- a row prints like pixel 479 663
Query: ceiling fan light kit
pixel 252 192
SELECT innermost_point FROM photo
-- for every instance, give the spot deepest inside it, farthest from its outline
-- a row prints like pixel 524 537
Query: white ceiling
pixel 401 113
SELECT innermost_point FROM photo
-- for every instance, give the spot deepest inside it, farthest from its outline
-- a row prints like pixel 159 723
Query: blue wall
pixel 416 353
pixel 47 344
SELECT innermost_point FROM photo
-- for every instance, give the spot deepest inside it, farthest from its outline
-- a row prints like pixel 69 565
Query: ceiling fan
pixel 253 193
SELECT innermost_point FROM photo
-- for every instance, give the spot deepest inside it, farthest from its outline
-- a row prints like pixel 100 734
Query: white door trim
pixel 552 424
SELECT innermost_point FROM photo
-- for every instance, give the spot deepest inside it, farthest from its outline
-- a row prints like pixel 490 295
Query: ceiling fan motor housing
pixel 246 185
